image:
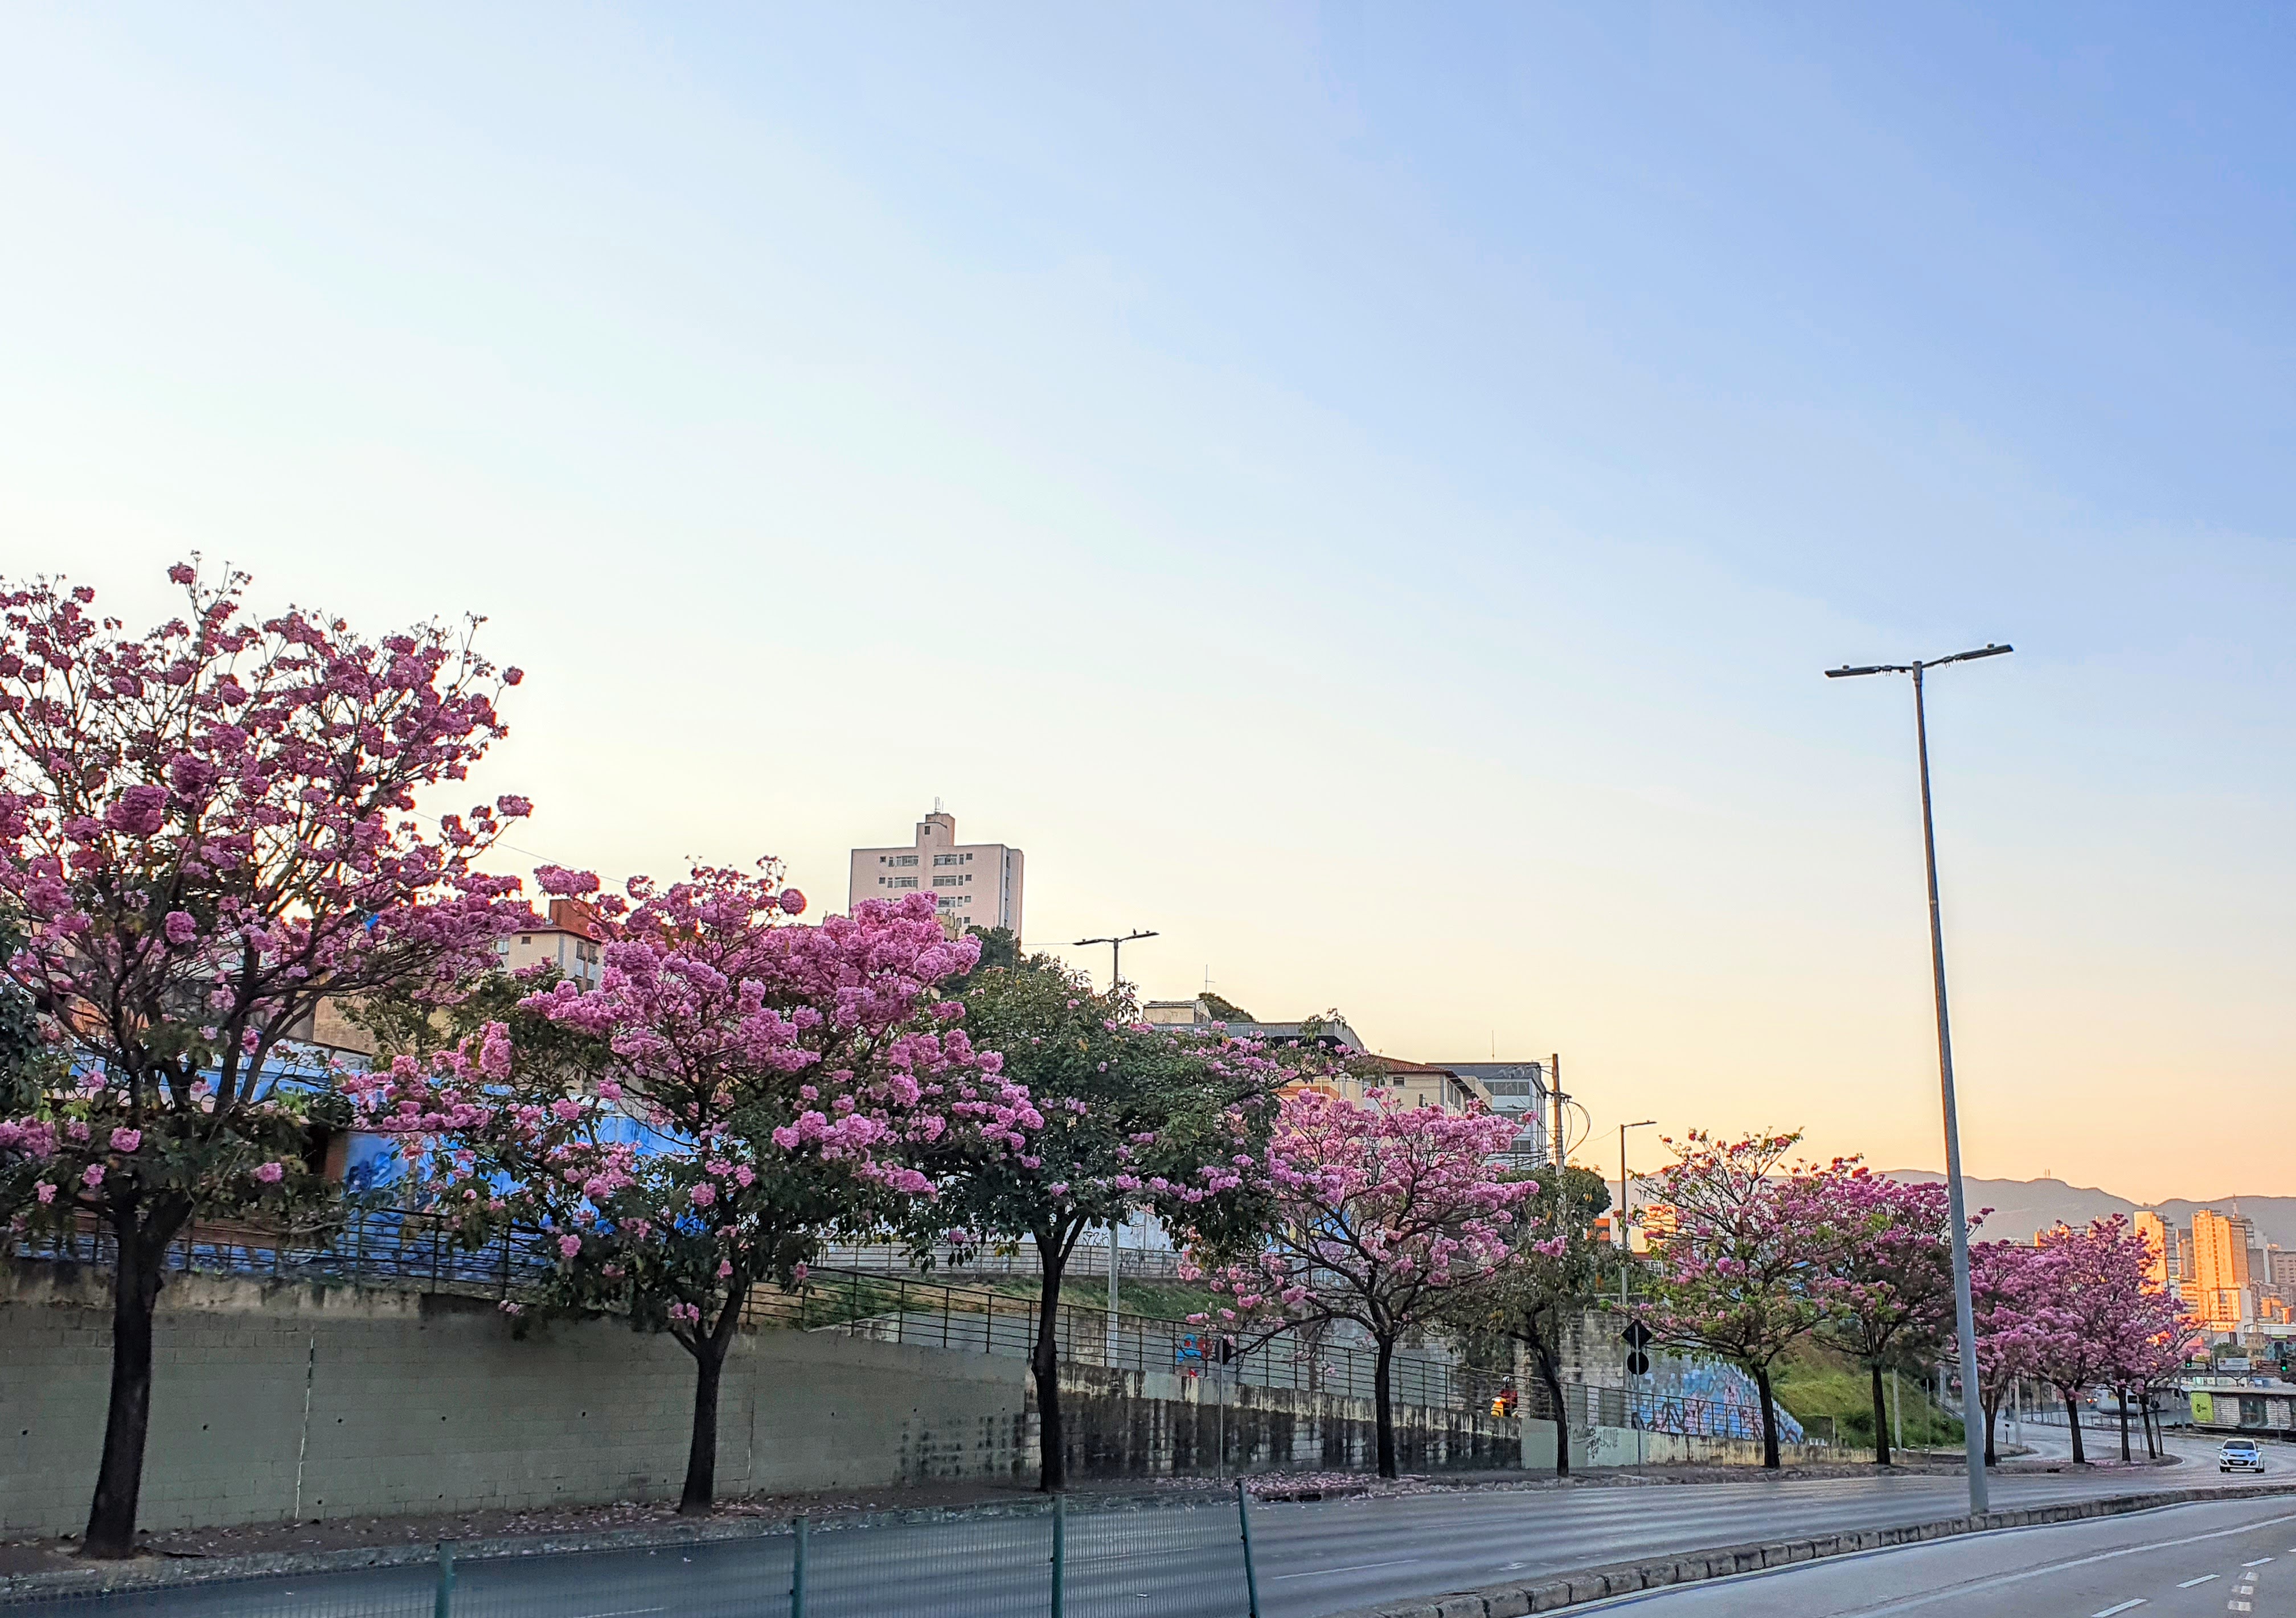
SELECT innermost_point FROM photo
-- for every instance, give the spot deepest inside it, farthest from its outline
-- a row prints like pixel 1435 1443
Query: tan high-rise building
pixel 972 884
pixel 2220 1273
pixel 2154 1229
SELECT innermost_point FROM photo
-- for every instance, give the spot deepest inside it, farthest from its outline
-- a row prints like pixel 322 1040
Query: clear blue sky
pixel 1365 491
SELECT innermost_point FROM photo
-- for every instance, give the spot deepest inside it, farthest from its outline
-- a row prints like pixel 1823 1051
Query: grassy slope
pixel 1818 1382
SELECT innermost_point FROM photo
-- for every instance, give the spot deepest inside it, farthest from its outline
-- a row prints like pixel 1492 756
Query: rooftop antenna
pixel 937 808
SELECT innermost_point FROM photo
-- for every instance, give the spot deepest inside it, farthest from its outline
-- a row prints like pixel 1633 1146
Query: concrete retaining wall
pixel 270 1402
pixel 1625 1447
pixel 273 1401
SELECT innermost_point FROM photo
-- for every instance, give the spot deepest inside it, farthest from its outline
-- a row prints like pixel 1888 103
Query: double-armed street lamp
pixel 1115 955
pixel 1115 1227
pixel 1972 1411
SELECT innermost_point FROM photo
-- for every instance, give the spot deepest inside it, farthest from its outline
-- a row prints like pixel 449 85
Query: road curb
pixel 1559 1590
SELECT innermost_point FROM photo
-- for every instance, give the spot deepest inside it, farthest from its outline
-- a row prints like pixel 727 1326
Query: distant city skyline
pixel 1367 494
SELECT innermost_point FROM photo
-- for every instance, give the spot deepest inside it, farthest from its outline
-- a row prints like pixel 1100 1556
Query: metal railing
pixel 1089 1263
pixel 1062 1558
pixel 925 1312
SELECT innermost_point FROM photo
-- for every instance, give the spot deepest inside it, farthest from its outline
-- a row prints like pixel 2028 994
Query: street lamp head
pixel 1645 1124
pixel 1847 673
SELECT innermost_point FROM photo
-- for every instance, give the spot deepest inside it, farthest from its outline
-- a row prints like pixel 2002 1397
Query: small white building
pixel 568 938
pixel 972 884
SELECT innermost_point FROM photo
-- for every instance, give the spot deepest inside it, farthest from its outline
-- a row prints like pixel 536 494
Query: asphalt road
pixel 1313 1557
pixel 1327 1557
pixel 2181 1562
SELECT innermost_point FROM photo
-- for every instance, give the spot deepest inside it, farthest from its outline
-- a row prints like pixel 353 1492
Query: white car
pixel 2240 1455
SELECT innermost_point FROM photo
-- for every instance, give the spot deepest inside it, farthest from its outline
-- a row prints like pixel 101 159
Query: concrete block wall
pixel 273 1401
pixel 276 1402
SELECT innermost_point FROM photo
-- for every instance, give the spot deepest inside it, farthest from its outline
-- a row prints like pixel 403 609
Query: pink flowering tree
pixel 2096 1309
pixel 763 1086
pixel 1741 1265
pixel 205 829
pixel 1560 1267
pixel 1134 1116
pixel 2014 1306
pixel 1382 1213
pixel 2117 1328
pixel 1888 1271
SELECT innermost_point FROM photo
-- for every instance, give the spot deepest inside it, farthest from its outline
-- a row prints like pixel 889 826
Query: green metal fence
pixel 1084 1557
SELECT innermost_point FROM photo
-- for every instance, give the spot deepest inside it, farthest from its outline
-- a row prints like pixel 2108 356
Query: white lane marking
pixel 1952 1592
pixel 2123 1607
pixel 2259 1562
pixel 1359 1567
pixel 626 1612
pixel 2203 1579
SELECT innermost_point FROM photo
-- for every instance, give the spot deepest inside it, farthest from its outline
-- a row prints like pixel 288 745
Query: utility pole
pixel 1115 956
pixel 1973 1410
pixel 1554 1092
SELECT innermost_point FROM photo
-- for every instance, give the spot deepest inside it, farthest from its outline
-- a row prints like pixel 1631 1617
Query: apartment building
pixel 2222 1291
pixel 1520 1091
pixel 972 884
pixel 567 938
pixel 2160 1239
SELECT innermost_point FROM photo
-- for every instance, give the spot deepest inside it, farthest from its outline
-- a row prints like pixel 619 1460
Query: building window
pixel 949 859
pixel 904 859
pixel 946 881
pixel 904 881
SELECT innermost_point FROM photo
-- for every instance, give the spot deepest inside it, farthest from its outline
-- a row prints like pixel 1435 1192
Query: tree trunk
pixel 2072 1415
pixel 1382 1397
pixel 2122 1395
pixel 1045 1366
pixel 1550 1375
pixel 1992 1413
pixel 701 1453
pixel 1769 1418
pixel 709 1351
pixel 1880 1419
pixel 127 1417
pixel 2151 1429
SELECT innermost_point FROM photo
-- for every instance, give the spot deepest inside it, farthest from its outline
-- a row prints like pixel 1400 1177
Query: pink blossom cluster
pixel 1380 1209
pixel 203 830
pixel 785 1071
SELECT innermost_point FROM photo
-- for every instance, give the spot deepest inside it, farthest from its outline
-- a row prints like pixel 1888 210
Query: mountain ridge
pixel 2022 1207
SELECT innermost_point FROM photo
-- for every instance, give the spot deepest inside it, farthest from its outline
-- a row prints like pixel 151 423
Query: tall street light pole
pixel 1115 955
pixel 1972 1411
pixel 1115 1226
pixel 1626 1241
